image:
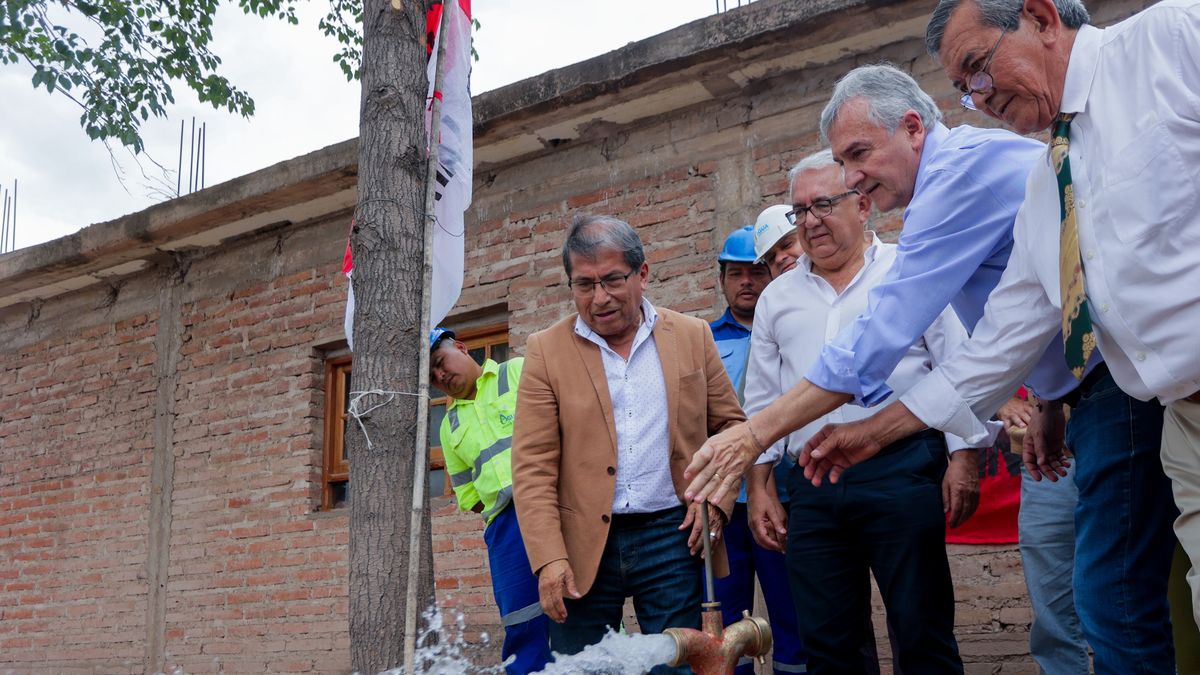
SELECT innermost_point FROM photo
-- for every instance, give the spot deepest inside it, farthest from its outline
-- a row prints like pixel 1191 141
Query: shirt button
pixel 612 470
pixel 1104 308
pixel 1141 356
pixel 1082 203
pixel 1091 254
pixel 604 517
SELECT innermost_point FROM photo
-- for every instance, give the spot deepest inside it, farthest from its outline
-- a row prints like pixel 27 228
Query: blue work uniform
pixel 746 558
pixel 476 437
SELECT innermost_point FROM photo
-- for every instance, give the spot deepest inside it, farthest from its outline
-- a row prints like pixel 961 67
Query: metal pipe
pixel 710 593
pixel 192 155
pixel 422 442
pixel 179 167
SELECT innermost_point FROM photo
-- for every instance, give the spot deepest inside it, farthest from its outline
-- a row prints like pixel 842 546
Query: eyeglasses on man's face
pixel 613 283
pixel 819 208
pixel 980 82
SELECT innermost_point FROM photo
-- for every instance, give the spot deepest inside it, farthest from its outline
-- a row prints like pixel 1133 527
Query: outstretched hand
pixel 835 448
pixel 718 466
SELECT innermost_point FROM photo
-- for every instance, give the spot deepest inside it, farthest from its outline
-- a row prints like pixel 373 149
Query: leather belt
pixel 1072 397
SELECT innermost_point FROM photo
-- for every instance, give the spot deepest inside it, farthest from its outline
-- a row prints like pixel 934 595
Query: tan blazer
pixel 564 451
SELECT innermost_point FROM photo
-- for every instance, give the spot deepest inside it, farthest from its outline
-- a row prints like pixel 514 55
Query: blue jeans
pixel 1123 535
pixel 1047 529
pixel 736 593
pixel 646 557
pixel 526 628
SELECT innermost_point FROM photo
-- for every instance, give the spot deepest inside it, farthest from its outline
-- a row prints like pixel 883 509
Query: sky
pixel 303 103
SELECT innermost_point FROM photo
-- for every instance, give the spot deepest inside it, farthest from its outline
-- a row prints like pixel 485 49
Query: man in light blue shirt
pixel 961 189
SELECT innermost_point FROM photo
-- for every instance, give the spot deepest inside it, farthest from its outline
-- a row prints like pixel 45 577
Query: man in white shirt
pixel 1109 229
pixel 887 516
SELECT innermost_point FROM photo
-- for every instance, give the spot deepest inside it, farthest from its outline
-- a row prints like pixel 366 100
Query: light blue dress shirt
pixel 955 244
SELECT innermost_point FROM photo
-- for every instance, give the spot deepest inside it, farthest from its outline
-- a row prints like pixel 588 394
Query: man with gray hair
pixel 1104 263
pixel 960 189
pixel 613 402
pixel 887 517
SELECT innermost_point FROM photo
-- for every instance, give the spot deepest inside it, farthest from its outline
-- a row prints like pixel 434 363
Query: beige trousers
pixel 1181 462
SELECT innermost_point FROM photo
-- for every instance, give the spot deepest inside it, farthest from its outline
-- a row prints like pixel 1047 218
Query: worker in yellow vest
pixel 476 436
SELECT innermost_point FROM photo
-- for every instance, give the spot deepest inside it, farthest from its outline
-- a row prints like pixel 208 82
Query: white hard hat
pixel 771 226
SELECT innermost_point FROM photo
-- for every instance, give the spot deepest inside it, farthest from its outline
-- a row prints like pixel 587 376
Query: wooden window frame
pixel 336 466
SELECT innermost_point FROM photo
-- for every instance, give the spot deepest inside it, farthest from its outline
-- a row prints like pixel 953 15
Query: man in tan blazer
pixel 612 404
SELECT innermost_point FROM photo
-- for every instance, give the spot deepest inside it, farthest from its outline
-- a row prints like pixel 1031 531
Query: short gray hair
pixel 1002 14
pixel 822 159
pixel 889 92
pixel 590 234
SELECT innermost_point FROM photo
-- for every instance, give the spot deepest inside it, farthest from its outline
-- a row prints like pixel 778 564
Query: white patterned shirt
pixel 639 404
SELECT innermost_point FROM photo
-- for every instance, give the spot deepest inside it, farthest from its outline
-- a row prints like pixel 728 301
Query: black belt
pixel 1089 381
pixel 639 519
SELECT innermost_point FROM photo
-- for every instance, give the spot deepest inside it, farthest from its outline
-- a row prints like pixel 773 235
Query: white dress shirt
pixel 1135 167
pixel 639 403
pixel 800 312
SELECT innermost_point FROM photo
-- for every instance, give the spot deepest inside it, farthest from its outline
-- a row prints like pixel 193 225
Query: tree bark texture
pixel 388 258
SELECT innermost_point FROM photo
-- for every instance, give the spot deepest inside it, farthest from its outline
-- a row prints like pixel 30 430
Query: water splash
pixel 450 653
pixel 616 654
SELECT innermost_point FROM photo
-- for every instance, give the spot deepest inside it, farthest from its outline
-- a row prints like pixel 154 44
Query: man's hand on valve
pixel 716 525
pixel 718 466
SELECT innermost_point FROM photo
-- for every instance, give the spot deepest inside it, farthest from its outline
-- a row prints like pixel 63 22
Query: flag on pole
pixel 455 164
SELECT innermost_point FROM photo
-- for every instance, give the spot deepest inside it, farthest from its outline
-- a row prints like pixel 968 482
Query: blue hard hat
pixel 739 246
pixel 436 335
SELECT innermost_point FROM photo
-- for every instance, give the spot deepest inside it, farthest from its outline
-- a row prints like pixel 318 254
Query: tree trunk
pixel 388 262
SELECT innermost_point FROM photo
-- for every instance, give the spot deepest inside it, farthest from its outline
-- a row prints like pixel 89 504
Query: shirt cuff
pixel 835 370
pixel 936 403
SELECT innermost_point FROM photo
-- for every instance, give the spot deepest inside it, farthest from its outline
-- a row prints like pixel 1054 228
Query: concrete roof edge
pixel 711 33
pixel 180 217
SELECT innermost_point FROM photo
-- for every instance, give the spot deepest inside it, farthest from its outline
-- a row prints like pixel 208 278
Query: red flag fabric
pixel 455 163
pixel 995 521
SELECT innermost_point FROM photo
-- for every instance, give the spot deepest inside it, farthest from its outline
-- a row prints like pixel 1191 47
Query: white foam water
pixel 616 654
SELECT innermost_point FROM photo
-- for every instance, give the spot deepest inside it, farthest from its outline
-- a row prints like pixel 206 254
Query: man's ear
pixel 914 126
pixel 1044 17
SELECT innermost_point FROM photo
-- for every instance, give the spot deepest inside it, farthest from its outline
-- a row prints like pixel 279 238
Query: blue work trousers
pixel 526 627
pixel 736 593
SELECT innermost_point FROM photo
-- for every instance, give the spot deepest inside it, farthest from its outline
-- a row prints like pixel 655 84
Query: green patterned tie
pixel 1078 339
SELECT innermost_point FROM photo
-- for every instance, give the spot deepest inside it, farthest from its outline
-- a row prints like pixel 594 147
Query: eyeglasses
pixel 980 82
pixel 611 283
pixel 819 208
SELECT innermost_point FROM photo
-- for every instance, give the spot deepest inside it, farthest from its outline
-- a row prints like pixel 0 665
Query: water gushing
pixel 616 655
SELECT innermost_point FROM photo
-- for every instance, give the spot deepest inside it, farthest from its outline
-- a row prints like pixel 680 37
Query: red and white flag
pixel 455 164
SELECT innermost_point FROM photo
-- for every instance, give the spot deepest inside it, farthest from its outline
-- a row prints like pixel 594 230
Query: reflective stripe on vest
pixel 488 453
pixel 502 380
pixel 503 499
pixel 453 415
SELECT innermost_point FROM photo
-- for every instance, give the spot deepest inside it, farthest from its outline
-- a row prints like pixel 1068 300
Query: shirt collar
pixel 1081 69
pixel 649 319
pixel 727 319
pixel 490 369
pixel 934 137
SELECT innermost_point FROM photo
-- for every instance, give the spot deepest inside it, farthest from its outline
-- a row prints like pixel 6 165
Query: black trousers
pixel 883 516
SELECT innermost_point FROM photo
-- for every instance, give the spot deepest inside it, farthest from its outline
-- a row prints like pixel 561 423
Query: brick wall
pixel 197 383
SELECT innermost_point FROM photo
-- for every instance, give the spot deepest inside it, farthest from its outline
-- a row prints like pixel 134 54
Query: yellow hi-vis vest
pixel 477 439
